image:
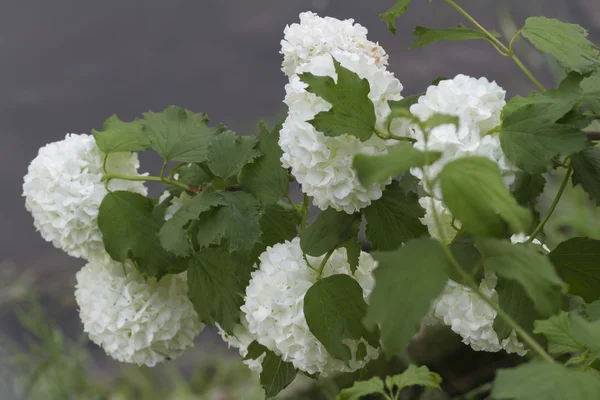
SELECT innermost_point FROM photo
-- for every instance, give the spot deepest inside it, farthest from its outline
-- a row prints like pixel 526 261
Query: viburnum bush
pixel 446 182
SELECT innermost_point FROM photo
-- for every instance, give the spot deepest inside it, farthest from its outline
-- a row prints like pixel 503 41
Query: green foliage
pixel 545 381
pixel 531 269
pixel 363 388
pixel 513 299
pixel 334 309
pixel 130 231
pixel 328 232
pixel 265 178
pixel 353 249
pixel 178 134
pixel 352 112
pixel 279 223
pixel 578 262
pixel 394 219
pixel 527 188
pixel 192 175
pixel 427 36
pixel 117 135
pixel 399 159
pixel 558 331
pixel 407 280
pixel 404 103
pixel 466 255
pixel 474 192
pixel 586 172
pixel 276 374
pixel 567 43
pixel 389 17
pixel 591 92
pixel 228 153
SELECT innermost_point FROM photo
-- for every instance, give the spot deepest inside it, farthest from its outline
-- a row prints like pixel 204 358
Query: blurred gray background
pixel 66 65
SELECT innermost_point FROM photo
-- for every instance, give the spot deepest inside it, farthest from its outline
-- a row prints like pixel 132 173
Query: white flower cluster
pixel 477 103
pixel 136 320
pixel 322 164
pixel 241 339
pixel 274 306
pixel 63 191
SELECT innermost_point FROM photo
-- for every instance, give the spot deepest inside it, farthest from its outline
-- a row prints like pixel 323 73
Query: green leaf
pixel 405 103
pixel 527 188
pixel 328 232
pixel 466 254
pixel 265 177
pixel 172 236
pixel 394 12
pixel 414 376
pixel 515 302
pixel 130 231
pixel 578 263
pixel 236 225
pixel 276 374
pixel 178 134
pixel 255 350
pixel 362 388
pixel 593 310
pixel 587 333
pixel 558 330
pixel 531 269
pixel 399 159
pixel 394 219
pixel 427 36
pixel 353 249
pixel 407 280
pixel 591 92
pixel 545 381
pixel 334 309
pixel 279 223
pixel 352 111
pixel 215 288
pixel 440 119
pixel 192 175
pixel 117 135
pixel 474 191
pixel 567 43
pixel 228 153
pixel 586 172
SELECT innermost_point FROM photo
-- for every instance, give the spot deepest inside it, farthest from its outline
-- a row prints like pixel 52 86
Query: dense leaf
pixel 362 388
pixel 130 231
pixel 558 331
pixel 407 280
pixel 527 188
pixel 427 36
pixel 586 172
pixel 353 249
pixel 334 309
pixel 466 254
pixel 236 226
pixel 567 43
pixel 587 333
pixel 399 159
pixel 474 191
pixel 591 92
pixel 593 310
pixel 228 153
pixel 405 103
pixel 276 374
pixel 414 376
pixel 192 175
pixel 328 232
pixel 578 262
pixel 215 288
pixel 117 135
pixel 265 177
pixel 531 269
pixel 515 302
pixel 279 223
pixel 178 134
pixel 394 219
pixel 172 236
pixel 440 119
pixel 545 381
pixel 389 17
pixel 352 112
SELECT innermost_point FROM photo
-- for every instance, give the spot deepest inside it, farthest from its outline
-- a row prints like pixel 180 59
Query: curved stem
pixel 323 263
pixel 402 138
pixel 305 206
pixel 108 177
pixel 175 169
pixel 561 190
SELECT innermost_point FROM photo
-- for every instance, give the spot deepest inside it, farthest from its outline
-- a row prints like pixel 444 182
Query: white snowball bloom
pixel 63 191
pixel 176 203
pixel 322 164
pixel 477 103
pixel 430 204
pixel 274 306
pixel 241 339
pixel 315 36
pixel 136 320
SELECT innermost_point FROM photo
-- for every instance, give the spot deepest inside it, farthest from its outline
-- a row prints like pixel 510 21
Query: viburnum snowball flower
pixel 63 191
pixel 449 231
pixel 477 103
pixel 241 339
pixel 315 36
pixel 323 164
pixel 136 320
pixel 274 306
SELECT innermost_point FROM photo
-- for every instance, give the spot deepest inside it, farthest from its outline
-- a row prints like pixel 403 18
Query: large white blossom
pixel 477 103
pixel 274 306
pixel 323 164
pixel 63 191
pixel 315 36
pixel 241 340
pixel 136 320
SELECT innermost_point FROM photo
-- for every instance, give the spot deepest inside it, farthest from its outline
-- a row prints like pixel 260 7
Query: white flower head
pixel 315 36
pixel 136 320
pixel 274 306
pixel 323 164
pixel 477 103
pixel 63 191
pixel 241 340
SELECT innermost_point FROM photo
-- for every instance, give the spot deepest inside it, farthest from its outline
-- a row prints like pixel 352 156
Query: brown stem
pixel 593 135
